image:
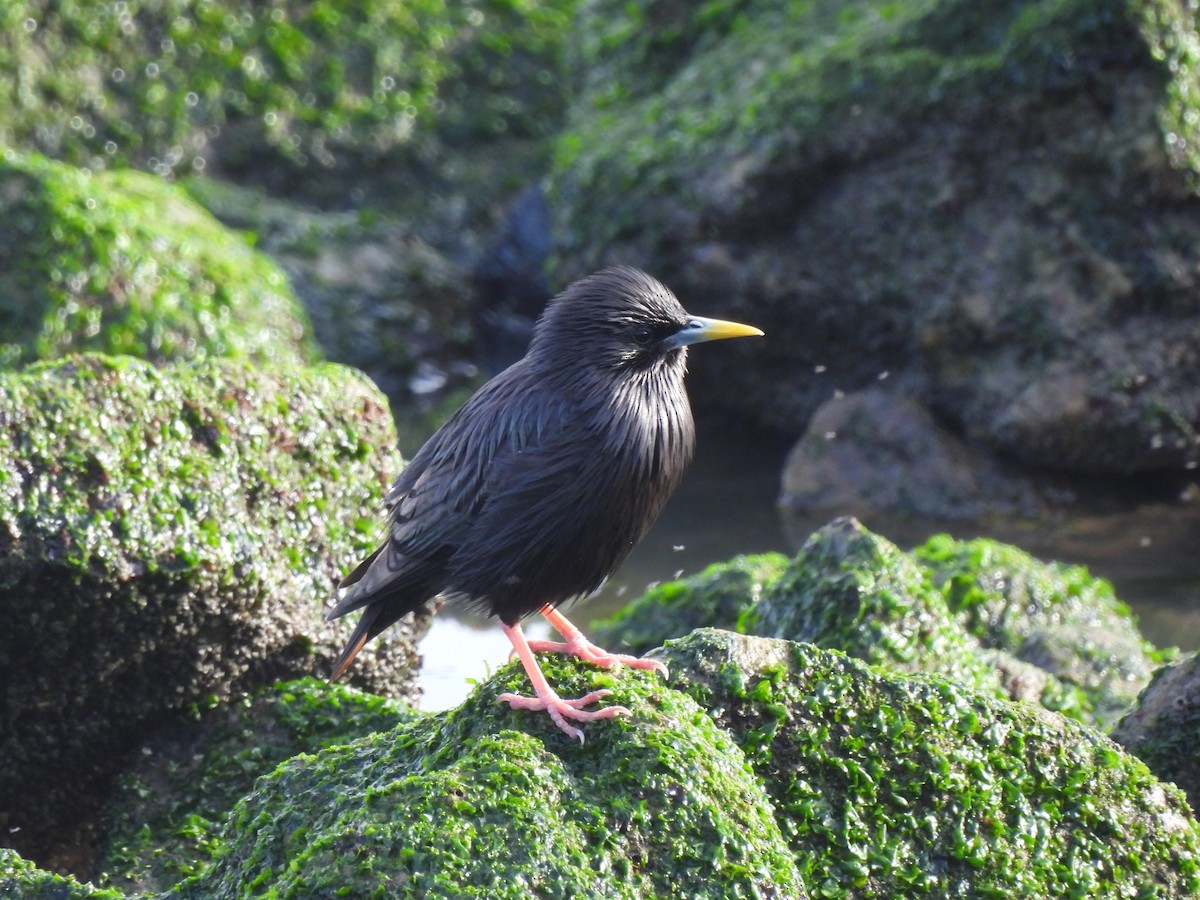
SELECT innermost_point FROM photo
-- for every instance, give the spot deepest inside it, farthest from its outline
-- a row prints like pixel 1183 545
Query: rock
pixel 126 263
pixel 854 591
pixel 1164 728
pixel 985 201
pixel 1058 618
pixel 294 95
pixel 485 801
pixel 715 597
pixel 164 822
pixel 981 612
pixel 510 281
pixel 20 878
pixel 763 768
pixel 432 116
pixel 892 786
pixel 166 536
pixel 876 452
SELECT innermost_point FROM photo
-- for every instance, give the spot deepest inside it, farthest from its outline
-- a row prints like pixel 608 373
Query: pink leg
pixel 578 646
pixel 560 710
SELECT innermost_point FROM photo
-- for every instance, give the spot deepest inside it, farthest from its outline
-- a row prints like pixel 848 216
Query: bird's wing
pixel 561 510
pixel 436 498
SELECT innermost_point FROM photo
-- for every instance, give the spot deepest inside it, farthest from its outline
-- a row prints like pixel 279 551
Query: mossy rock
pixel 168 537
pixel 985 613
pixel 860 180
pixel 696 114
pixel 1057 617
pixel 22 880
pixel 286 93
pixel 869 784
pixel 484 801
pixel 715 597
pixel 1163 728
pixel 892 786
pixel 122 262
pixel 165 820
pixel 851 590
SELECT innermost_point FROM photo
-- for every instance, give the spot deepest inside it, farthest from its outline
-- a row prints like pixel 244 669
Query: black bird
pixel 535 491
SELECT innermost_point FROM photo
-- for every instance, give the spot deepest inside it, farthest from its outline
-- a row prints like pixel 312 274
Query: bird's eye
pixel 642 335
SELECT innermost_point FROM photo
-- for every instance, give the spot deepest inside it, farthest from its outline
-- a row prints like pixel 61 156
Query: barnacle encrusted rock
pixel 168 537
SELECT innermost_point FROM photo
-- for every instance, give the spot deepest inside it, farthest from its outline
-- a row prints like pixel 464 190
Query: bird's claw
pixel 561 709
pixel 589 652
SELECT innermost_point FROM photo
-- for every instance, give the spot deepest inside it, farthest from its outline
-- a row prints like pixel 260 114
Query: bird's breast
pixel 651 430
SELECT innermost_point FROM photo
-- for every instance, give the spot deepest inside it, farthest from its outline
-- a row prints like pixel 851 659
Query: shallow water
pixel 726 506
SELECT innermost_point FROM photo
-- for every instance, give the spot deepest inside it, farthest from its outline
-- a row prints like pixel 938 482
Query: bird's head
pixel 621 319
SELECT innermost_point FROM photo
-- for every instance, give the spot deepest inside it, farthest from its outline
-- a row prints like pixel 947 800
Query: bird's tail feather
pixel 386 587
pixel 357 641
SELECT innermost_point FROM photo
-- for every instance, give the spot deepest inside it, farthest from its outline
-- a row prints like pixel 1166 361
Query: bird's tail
pixel 385 587
pixel 358 640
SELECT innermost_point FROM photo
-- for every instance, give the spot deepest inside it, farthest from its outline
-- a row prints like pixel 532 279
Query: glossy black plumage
pixel 541 484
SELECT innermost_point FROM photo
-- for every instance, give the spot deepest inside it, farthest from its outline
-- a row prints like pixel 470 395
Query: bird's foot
pixel 582 648
pixel 560 709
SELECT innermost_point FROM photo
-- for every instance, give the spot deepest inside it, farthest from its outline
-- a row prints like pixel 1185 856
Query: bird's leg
pixel 580 647
pixel 559 709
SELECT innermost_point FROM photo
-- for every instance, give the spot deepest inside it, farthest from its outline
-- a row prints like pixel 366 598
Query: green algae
pixel 120 468
pixel 895 786
pixel 126 263
pixel 715 597
pixel 841 780
pixel 485 801
pixel 851 590
pixel 1058 617
pixel 168 535
pixel 22 880
pixel 166 817
pixel 157 83
pixel 701 107
pixel 1169 29
pixel 983 612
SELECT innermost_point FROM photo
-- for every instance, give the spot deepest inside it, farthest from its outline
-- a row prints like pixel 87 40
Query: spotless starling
pixel 537 488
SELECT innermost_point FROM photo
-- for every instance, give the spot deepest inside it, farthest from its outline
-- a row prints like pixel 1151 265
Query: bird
pixel 540 485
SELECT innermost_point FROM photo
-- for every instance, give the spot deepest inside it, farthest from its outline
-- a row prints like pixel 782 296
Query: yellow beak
pixel 700 329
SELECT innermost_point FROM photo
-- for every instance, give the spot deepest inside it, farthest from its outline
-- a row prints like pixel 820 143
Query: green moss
pixel 485 801
pixel 854 591
pixel 1058 617
pixel 983 612
pixel 715 597
pixel 1169 28
pixel 154 83
pixel 178 530
pixel 165 823
pixel 893 786
pixel 880 785
pixel 22 880
pixel 686 104
pixel 130 467
pixel 125 263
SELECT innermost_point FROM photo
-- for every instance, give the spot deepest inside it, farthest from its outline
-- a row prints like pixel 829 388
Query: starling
pixel 538 488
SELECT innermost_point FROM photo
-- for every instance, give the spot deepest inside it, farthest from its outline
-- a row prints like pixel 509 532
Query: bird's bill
pixel 699 329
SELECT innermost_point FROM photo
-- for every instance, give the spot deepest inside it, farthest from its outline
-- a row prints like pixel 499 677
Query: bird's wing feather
pixel 563 508
pixel 434 500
